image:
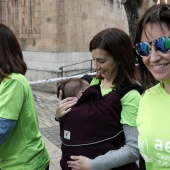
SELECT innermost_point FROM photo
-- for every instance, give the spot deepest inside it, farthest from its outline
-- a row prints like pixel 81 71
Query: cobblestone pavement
pixel 46 106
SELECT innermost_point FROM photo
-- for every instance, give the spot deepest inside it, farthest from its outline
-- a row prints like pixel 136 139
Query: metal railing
pixel 57 79
pixel 85 70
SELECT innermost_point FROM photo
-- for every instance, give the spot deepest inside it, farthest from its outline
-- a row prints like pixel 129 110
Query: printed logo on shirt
pixel 162 149
pixel 161 156
pixel 67 134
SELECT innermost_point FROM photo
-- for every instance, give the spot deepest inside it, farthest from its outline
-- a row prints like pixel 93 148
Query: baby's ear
pixel 80 94
pixel 58 89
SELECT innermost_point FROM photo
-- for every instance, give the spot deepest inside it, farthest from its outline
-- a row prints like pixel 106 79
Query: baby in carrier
pixel 92 127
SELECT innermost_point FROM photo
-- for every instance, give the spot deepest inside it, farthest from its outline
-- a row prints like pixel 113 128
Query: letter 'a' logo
pixel 67 134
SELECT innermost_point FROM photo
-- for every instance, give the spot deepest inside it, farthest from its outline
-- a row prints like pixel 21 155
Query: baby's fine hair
pixel 71 87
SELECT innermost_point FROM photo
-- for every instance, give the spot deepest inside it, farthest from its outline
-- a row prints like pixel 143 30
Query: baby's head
pixel 72 87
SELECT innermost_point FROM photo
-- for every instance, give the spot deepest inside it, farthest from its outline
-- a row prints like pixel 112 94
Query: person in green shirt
pixel 152 45
pixel 21 144
pixel 114 61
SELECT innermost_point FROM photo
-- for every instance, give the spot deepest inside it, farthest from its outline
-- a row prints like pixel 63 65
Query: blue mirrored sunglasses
pixel 162 45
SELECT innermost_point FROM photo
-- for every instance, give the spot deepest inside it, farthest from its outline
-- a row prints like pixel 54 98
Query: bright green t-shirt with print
pixel 153 123
pixel 24 148
pixel 130 104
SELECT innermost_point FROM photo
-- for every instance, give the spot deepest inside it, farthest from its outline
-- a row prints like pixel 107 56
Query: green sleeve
pixel 11 97
pixel 94 81
pixel 130 104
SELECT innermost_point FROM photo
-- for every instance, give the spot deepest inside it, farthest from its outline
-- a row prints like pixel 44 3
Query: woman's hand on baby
pixel 64 106
pixel 79 163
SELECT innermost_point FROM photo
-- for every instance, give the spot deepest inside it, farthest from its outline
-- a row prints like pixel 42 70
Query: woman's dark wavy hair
pixel 118 45
pixel 156 14
pixel 11 57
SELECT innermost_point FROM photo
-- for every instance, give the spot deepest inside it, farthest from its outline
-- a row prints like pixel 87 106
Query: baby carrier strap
pixel 88 78
pixel 125 88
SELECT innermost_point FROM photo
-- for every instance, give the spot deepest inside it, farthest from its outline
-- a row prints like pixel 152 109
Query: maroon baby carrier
pixel 93 127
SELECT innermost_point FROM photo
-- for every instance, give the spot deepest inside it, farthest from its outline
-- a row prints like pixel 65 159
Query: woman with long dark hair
pixel 114 61
pixel 21 144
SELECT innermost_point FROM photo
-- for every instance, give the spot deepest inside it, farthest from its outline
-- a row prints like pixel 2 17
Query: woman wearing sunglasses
pixel 153 53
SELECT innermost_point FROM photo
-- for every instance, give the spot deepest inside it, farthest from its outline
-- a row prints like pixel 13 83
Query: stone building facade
pixel 54 33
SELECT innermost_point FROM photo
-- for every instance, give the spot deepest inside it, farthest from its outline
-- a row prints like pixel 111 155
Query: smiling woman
pixel 104 120
pixel 106 66
pixel 158 61
pixel 153 52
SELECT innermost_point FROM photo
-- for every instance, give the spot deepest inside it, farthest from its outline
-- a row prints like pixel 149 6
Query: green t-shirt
pixel 130 104
pixel 153 123
pixel 24 148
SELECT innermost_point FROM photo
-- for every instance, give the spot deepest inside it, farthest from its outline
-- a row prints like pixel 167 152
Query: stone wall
pixel 46 65
pixel 60 25
pixel 146 4
pixel 54 33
